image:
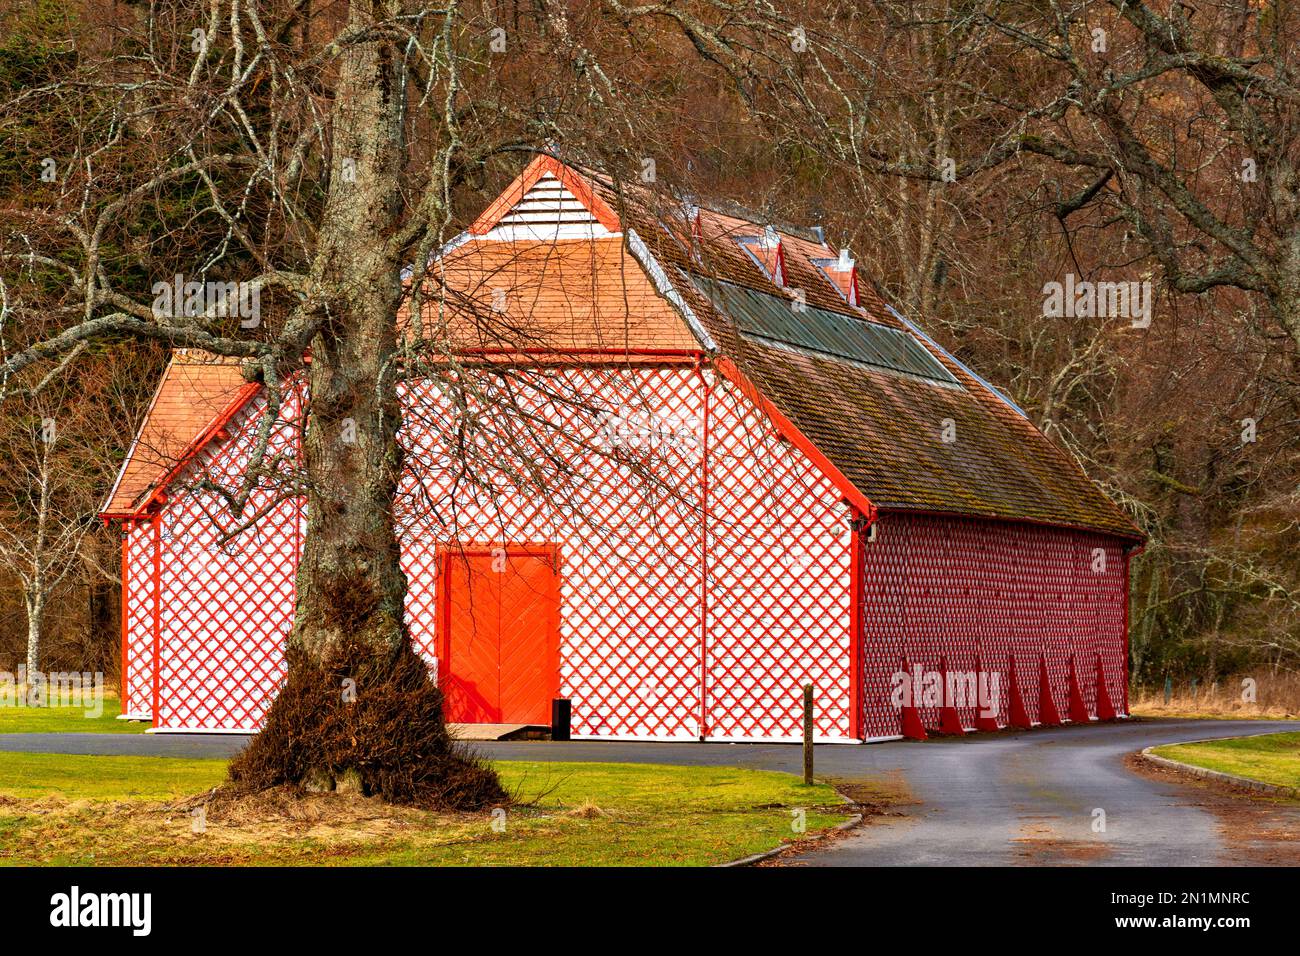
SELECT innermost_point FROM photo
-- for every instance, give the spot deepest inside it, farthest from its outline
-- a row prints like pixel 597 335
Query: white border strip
pixel 635 738
pixel 647 739
pixel 202 730
pixel 780 740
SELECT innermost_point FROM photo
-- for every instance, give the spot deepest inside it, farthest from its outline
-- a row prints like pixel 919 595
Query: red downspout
pixel 704 561
pixel 858 605
pixel 300 502
pixel 156 525
pixel 122 681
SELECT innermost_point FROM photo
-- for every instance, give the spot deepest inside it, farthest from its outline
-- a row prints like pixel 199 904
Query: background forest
pixel 967 154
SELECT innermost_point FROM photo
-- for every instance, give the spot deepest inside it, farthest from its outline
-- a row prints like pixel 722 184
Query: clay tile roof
pixel 883 431
pixel 549 295
pixel 511 291
pixel 195 392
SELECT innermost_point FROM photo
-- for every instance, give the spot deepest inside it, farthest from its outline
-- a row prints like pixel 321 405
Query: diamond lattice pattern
pixel 140 595
pixel 693 542
pixel 226 583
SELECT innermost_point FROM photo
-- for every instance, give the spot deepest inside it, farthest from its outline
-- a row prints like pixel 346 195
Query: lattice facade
pixel 225 586
pixel 704 562
pixel 969 596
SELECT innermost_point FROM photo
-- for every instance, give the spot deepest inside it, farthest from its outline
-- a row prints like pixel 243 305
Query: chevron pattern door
pixel 498 655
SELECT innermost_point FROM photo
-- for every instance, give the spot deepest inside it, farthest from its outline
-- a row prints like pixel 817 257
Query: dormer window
pixel 841 273
pixel 693 216
pixel 768 252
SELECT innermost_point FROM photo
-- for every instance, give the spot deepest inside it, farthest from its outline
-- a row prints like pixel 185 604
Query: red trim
pixel 858 605
pixel 1006 519
pixel 534 171
pixel 707 413
pixel 573 356
pixel 156 525
pixel 123 684
pixel 650 353
pixel 159 495
pixel 790 432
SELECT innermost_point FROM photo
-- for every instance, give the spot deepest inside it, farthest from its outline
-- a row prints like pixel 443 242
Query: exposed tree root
pixel 369 725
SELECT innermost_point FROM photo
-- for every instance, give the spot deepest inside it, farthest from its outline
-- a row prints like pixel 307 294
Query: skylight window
pixel 772 319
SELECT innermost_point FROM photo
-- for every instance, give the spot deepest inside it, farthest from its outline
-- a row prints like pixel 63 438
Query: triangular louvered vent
pixel 548 203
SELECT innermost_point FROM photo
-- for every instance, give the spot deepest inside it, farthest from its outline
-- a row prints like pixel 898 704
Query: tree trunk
pixel 35 606
pixel 350 582
pixel 358 710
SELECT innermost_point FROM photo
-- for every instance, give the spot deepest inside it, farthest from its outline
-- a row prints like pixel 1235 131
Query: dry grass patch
pixel 562 814
pixel 1277 697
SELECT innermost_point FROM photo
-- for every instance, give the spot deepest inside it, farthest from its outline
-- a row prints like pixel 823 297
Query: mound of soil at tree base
pixel 366 723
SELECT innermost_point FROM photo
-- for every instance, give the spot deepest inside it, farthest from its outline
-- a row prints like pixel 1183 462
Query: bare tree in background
pixel 54 462
pixel 1179 122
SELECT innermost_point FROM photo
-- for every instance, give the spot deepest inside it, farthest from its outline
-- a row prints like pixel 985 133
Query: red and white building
pixel 729 469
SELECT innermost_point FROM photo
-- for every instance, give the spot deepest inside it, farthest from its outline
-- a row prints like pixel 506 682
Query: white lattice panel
pixel 570 470
pixel 609 465
pixel 227 594
pixel 780 586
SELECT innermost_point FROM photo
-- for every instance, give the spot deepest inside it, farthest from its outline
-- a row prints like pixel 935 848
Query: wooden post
pixel 1169 689
pixel 808 734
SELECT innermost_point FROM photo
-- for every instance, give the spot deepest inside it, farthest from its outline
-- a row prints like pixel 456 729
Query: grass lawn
pixel 79 778
pixel 84 810
pixel 40 720
pixel 1273 758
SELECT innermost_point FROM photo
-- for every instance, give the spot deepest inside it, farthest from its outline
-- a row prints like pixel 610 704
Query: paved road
pixel 983 800
pixel 994 799
pixel 130 745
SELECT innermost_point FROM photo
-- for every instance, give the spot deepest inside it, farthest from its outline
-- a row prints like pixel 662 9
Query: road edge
pixel 1259 786
pixel 753 858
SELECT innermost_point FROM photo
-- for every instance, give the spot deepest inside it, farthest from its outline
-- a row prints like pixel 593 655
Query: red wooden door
pixel 500 636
